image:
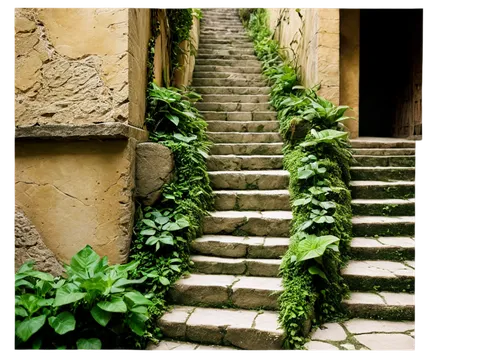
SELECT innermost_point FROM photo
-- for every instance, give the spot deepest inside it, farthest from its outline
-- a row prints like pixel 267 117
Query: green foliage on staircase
pixel 93 306
pixel 163 231
pixel 318 156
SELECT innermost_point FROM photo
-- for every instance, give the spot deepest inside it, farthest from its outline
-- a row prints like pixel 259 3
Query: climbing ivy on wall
pixel 317 154
pixel 163 231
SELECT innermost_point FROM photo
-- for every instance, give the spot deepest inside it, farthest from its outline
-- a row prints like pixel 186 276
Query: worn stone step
pixel 367 142
pixel 226 36
pixel 215 56
pixel 240 126
pixel 212 31
pixel 244 162
pixel 383 248
pixel 239 116
pixel 206 68
pixel 223 42
pixel 384 151
pixel 233 90
pixel 379 275
pixel 221 22
pixel 391 306
pixel 246 148
pixel 222 290
pixel 248 223
pixel 232 107
pixel 252 199
pixel 250 179
pixel 383 173
pixel 217 27
pixel 240 246
pixel 385 207
pixel 229 75
pixel 228 46
pixel 236 266
pixel 171 345
pixel 223 62
pixel 385 161
pixel 236 98
pixel 367 189
pixel 228 82
pixel 383 225
pixel 246 329
pixel 236 137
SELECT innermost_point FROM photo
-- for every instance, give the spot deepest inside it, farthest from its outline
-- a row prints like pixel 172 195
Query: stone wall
pixel 79 111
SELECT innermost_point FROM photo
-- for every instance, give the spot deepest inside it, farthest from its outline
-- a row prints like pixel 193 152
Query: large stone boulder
pixel 154 168
pixel 30 246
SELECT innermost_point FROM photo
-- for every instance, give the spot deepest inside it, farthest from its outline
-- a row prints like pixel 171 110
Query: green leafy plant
pixel 93 298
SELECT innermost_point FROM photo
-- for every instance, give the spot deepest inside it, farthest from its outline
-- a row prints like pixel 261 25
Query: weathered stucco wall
pixel 349 67
pixel 311 40
pixel 72 67
pixel 184 75
pixel 80 85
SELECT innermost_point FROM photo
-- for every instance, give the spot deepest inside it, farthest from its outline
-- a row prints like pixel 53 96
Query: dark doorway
pixel 390 102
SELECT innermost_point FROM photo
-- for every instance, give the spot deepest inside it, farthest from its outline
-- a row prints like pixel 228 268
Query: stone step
pixel 239 246
pixel 213 57
pixel 236 266
pixel 252 199
pixel 385 161
pixel 240 126
pixel 249 179
pixel 391 306
pixel 365 189
pixel 222 42
pixel 232 107
pixel 236 137
pixel 383 248
pixel 235 98
pixel 227 46
pixel 229 75
pixel 244 329
pixel 165 345
pixel 223 62
pixel 248 223
pixel 238 116
pixel 233 90
pixel 382 143
pixel 379 275
pixel 222 22
pixel 228 82
pixel 206 68
pixel 227 290
pixel 232 37
pixel 222 27
pixel 383 225
pixel 384 151
pixel 246 148
pixel 386 207
pixel 212 31
pixel 244 162
pixel 383 173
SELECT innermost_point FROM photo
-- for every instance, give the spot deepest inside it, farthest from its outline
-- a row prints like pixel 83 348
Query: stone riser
pixel 227 290
pixel 406 208
pixel 384 152
pixel 229 46
pixel 234 37
pixel 258 224
pixel 262 180
pixel 365 283
pixel 238 116
pixel 232 107
pixel 403 228
pixel 250 162
pixel 234 90
pixel 233 98
pixel 362 143
pixel 239 328
pixel 236 266
pixel 225 41
pixel 394 253
pixel 241 247
pixel 206 68
pixel 235 63
pixel 384 161
pixel 212 31
pixel 387 191
pixel 252 200
pixel 222 57
pixel 228 83
pixel 229 75
pixel 381 311
pixel 247 149
pixel 226 126
pixel 382 173
pixel 235 137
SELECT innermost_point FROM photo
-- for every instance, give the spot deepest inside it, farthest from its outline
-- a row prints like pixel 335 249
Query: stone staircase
pixel 230 299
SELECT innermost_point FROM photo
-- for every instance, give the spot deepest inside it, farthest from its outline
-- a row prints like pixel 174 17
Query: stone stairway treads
pixel 230 297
